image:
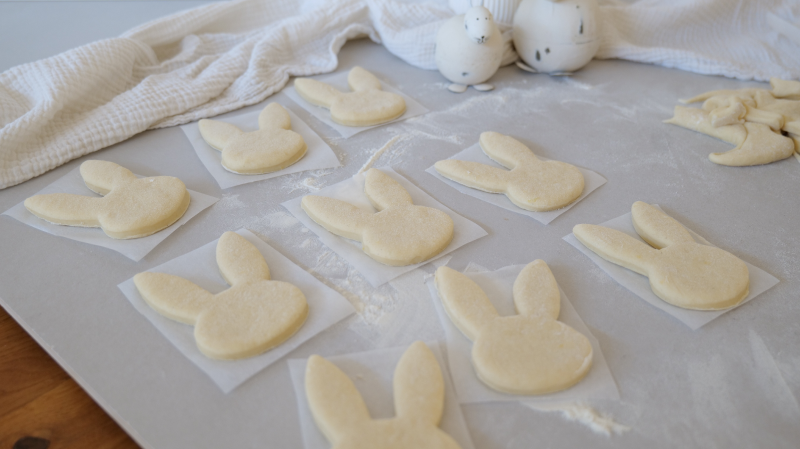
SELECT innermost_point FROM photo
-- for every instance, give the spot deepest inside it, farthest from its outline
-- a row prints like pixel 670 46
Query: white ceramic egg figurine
pixel 469 49
pixel 502 10
pixel 556 36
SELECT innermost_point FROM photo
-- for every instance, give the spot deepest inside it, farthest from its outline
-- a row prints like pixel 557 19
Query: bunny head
pixel 130 208
pixel 255 314
pixel 528 353
pixel 273 147
pixel 399 234
pixel 531 184
pixel 342 416
pixel 479 23
pixel 682 272
pixel 367 105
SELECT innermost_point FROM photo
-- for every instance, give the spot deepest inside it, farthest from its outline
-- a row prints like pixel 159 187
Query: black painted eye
pixel 538 56
pixel 547 50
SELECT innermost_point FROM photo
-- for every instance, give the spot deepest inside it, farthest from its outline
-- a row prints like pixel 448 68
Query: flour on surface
pixel 378 153
pixel 583 414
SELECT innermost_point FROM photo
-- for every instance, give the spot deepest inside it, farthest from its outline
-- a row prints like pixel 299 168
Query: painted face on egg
pixel 479 23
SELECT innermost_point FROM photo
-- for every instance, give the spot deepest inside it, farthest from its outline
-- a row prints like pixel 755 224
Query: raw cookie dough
pixel 130 208
pixel 255 314
pixel 342 416
pixel 681 272
pixel 528 353
pixel 273 147
pixel 399 234
pixel 755 120
pixel 367 105
pixel 531 184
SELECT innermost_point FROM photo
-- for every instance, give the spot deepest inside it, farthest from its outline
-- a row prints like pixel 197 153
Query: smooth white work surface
pixel 733 383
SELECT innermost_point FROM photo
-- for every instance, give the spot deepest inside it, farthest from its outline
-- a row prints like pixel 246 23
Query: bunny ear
pixel 274 116
pixel 66 209
pixel 383 191
pixel 217 134
pixel 789 90
pixel 474 174
pixel 464 301
pixel 700 120
pixel 616 247
pixel 657 228
pixel 316 92
pixel 336 216
pixel 743 93
pixel 335 403
pixel 173 296
pixel 418 385
pixel 240 261
pixel 102 176
pixel 505 150
pixel 536 291
pixel 359 79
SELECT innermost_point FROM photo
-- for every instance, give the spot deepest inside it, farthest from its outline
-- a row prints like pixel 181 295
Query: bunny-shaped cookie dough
pixel 252 316
pixel 681 272
pixel 399 234
pixel 367 105
pixel 342 416
pixel 130 208
pixel 273 147
pixel 528 353
pixel 531 184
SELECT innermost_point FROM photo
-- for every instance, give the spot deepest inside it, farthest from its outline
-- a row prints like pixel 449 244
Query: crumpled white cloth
pixel 220 57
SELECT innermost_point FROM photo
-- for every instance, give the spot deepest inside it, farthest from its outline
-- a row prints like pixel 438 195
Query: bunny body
pixel 130 208
pixel 681 272
pixel 341 414
pixel 469 49
pixel 528 353
pixel 531 184
pixel 273 147
pixel 401 233
pixel 252 316
pixel 367 105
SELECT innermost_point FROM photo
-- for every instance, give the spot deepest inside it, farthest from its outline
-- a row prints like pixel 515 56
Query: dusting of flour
pixel 583 414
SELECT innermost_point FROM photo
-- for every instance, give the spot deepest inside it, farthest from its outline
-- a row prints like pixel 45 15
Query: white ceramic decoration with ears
pixel 342 416
pixel 502 10
pixel 556 36
pixel 469 49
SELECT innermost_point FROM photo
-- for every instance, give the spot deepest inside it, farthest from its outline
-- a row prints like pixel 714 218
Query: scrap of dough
pixel 399 234
pixel 272 148
pixel 367 105
pixel 130 207
pixel 529 353
pixel 255 314
pixel 755 120
pixel 756 143
pixel 682 272
pixel 531 184
pixel 342 416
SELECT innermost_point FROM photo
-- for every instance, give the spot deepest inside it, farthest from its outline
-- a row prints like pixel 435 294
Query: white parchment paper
pixel 592 181
pixel 325 308
pixel 499 286
pixel 339 81
pixel 318 155
pixel 372 373
pixel 352 191
pixel 134 249
pixel 760 280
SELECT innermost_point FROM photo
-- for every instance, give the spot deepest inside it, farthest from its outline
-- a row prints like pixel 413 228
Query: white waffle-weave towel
pixel 220 57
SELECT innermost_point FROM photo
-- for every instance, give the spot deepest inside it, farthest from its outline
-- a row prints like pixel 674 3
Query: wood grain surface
pixel 41 406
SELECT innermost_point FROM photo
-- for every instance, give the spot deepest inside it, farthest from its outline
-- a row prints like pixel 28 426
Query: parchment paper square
pixel 592 181
pixel 318 155
pixel 498 285
pixel 760 280
pixel 372 373
pixel 339 81
pixel 352 191
pixel 325 308
pixel 134 249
